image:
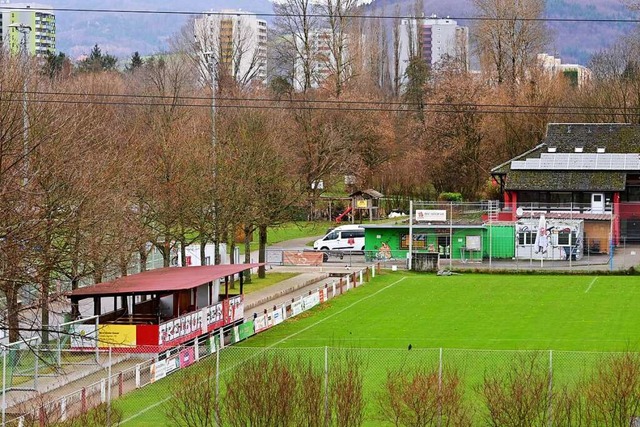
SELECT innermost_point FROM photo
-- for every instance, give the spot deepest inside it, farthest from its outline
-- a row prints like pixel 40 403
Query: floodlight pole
pixel 209 57
pixel 410 233
pixel 24 54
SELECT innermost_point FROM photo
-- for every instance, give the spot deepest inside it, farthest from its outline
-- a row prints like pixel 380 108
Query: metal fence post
pixel 59 346
pixel 109 389
pixel 550 391
pixel 217 395
pixel 326 385
pixel 96 341
pixel 4 384
pixel 37 366
pixel 440 388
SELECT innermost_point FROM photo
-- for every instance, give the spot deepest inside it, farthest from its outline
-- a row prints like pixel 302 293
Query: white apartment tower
pixel 237 41
pixel 578 74
pixel 38 23
pixel 436 39
pixel 323 60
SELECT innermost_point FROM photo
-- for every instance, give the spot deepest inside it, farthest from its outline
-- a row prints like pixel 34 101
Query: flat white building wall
pixel 439 38
pixel 238 39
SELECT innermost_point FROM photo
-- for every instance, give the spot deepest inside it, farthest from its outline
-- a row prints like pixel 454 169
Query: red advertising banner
pixel 187 357
pixel 302 258
pixel 193 324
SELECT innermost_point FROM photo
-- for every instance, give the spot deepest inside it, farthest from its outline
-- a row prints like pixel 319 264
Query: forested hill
pixel 121 34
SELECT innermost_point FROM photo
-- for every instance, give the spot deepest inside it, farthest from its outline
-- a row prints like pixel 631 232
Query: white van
pixel 342 238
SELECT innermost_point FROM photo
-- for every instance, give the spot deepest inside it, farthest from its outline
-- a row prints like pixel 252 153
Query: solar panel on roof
pixel 580 161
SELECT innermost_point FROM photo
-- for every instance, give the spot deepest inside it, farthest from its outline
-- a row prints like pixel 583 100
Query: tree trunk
pixel 262 249
pixel 44 308
pixel 13 312
pixel 166 252
pixel 143 258
pixel 124 265
pixel 203 252
pixel 216 241
pixel 183 252
pixel 247 252
pixel 231 241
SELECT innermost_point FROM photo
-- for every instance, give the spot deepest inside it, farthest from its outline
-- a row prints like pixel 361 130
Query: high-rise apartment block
pixel 320 60
pixel 577 74
pixel 38 25
pixel 237 40
pixel 435 40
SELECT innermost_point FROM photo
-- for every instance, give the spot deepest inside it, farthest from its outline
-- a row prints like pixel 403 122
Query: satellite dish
pixel 519 211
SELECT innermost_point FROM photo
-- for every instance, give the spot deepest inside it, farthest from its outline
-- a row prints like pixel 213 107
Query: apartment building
pixel 577 74
pixel 237 41
pixel 434 39
pixel 38 22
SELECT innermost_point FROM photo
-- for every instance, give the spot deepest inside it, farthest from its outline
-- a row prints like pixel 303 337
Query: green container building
pixel 456 242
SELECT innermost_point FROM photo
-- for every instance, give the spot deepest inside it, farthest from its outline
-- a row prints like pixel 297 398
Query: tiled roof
pixel 565 181
pixel 615 138
pixel 565 138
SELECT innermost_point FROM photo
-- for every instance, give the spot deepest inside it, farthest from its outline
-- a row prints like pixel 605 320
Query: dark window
pixel 352 234
pixel 633 194
pixel 559 199
pixel 563 239
pixel 526 238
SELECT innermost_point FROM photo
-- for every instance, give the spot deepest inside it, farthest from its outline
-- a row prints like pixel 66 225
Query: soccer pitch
pixel 481 323
pixel 497 312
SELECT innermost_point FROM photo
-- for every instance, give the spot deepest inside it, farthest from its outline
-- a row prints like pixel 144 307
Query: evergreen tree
pixel 97 61
pixel 53 64
pixel 136 62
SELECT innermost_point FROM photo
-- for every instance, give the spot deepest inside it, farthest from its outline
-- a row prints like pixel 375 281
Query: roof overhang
pixel 162 280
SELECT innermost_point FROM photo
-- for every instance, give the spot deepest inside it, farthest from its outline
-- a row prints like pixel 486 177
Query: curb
pixel 286 291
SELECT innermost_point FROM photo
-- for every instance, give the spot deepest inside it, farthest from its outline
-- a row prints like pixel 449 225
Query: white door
pixel 597 203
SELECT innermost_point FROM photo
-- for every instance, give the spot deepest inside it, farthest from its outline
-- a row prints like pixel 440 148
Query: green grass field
pixel 563 312
pixel 481 321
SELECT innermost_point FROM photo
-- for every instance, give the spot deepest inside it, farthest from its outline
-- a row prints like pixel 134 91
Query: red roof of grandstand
pixel 163 280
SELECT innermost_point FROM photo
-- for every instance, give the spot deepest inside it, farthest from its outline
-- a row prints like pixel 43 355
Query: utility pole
pixel 24 54
pixel 211 66
pixel 210 57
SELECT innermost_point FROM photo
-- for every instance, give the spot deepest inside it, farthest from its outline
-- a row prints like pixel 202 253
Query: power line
pixel 507 109
pixel 319 15
pixel 295 101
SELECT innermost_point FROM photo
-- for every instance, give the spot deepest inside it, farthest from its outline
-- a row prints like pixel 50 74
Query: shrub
pixel 450 197
pixel 423 399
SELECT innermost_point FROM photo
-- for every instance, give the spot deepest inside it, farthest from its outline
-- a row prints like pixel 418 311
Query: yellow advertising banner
pixel 117 335
pixel 362 204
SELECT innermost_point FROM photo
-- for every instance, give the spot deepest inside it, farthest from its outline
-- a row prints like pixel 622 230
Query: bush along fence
pixel 327 386
pixel 65 393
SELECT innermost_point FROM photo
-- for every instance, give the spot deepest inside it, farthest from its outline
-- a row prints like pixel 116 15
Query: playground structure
pixel 360 202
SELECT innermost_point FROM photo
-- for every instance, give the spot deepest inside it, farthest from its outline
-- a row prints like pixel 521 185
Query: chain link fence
pixel 159 379
pixel 493 236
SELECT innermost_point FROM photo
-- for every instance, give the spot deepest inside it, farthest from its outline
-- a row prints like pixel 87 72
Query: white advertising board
pixel 428 215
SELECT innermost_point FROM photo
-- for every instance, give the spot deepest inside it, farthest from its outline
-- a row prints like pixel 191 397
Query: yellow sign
pixel 362 204
pixel 117 335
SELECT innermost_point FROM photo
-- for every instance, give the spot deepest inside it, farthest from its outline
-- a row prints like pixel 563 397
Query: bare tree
pixel 297 26
pixel 339 19
pixel 509 36
pixel 232 42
